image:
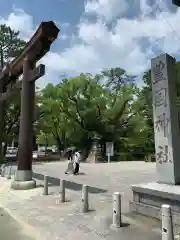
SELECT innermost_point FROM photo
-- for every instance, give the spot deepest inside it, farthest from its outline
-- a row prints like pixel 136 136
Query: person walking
pixel 76 160
pixel 70 167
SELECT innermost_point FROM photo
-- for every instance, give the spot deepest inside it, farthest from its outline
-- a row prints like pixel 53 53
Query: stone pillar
pixel 166 126
pixel 23 178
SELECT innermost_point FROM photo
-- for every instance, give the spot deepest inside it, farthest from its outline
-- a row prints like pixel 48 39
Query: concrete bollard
pixel 9 173
pixel 117 210
pixel 167 224
pixel 62 191
pixel 45 190
pixel 85 201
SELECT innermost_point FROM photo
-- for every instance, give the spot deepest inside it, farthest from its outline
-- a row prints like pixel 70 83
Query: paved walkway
pixel 45 217
pixel 11 229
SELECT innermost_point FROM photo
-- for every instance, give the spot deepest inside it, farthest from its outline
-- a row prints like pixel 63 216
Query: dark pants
pixel 76 170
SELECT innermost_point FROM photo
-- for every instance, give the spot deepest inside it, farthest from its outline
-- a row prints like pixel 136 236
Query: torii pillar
pixel 23 178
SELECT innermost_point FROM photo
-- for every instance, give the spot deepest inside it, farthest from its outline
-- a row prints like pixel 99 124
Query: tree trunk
pixel 46 145
pixel 84 154
pixel 59 145
pixel 4 149
pixel 85 151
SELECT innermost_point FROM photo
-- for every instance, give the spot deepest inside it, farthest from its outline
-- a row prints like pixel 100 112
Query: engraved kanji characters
pixel 160 98
pixel 158 72
pixel 162 155
pixel 162 123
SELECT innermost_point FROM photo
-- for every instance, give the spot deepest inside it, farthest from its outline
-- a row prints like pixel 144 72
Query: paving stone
pixel 55 220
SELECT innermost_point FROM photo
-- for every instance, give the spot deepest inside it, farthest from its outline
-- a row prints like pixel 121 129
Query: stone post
pixel 45 189
pixel 166 126
pixel 167 223
pixel 85 200
pixel 117 210
pixel 62 191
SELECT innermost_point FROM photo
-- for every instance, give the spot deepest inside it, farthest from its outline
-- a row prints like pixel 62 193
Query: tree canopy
pixel 106 106
pixel 10 46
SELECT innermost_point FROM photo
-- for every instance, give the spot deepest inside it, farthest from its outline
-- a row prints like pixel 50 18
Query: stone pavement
pixel 110 178
pixel 45 217
pixel 50 219
pixel 10 229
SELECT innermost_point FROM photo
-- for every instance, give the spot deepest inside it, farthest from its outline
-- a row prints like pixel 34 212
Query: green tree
pixel 145 97
pixel 116 77
pixel 81 99
pixel 52 122
pixel 82 108
pixel 10 46
pixel 96 109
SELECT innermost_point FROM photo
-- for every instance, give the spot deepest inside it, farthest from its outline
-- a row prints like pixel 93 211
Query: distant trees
pixel 82 108
pixel 10 46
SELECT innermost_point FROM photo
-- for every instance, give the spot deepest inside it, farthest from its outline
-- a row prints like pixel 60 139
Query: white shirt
pixel 76 157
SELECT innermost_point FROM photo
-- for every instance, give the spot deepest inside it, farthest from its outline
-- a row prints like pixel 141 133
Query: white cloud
pixel 63 37
pixel 96 46
pixel 77 57
pixel 107 9
pixel 102 47
pixel 20 21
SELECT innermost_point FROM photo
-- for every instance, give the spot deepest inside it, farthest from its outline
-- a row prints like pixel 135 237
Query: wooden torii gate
pixel 25 64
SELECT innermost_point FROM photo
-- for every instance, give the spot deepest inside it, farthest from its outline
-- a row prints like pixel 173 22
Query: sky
pixel 98 34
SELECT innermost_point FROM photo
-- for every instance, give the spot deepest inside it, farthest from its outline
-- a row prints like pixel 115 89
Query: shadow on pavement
pixel 68 184
pixel 14 163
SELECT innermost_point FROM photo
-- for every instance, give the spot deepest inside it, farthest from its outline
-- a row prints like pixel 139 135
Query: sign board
pixel 109 149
